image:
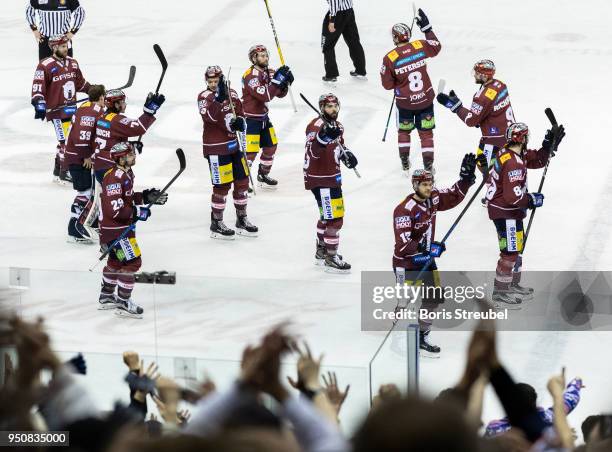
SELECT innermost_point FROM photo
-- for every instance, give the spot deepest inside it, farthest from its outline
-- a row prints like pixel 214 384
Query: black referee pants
pixel 347 28
pixel 44 51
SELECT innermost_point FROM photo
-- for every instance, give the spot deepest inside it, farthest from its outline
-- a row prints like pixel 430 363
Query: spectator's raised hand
pixel 307 369
pixel 334 395
pixel 556 384
pixel 132 360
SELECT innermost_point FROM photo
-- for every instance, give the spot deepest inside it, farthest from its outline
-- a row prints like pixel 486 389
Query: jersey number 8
pixel 415 81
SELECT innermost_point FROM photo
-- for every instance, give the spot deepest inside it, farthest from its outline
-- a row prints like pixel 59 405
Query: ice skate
pixel 245 228
pixel 405 164
pixel 218 230
pixel 107 301
pixel 335 264
pixel 506 299
pixel 78 235
pixel 127 308
pixel 320 254
pixel 426 348
pixel 524 293
pixel 266 182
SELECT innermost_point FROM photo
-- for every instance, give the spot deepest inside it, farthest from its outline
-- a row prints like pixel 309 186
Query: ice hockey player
pixel 115 127
pixel 508 202
pixel 414 224
pixel 261 84
pixel 221 148
pixel 122 206
pixel 490 110
pixel 324 151
pixel 57 80
pixel 78 158
pixel 404 70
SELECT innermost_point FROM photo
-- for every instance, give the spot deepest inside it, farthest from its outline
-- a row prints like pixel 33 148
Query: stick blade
pixel 160 54
pixel 181 157
pixel 441 85
pixel 551 116
pixel 132 76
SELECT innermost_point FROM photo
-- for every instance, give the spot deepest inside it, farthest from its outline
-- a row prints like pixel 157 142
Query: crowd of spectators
pixel 262 410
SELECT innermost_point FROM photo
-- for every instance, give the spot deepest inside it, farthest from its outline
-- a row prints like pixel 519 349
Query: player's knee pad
pixel 427 139
pixel 333 226
pixel 241 186
pixel 132 266
pixel 221 190
pixel 506 262
pixel 267 154
pixel 405 126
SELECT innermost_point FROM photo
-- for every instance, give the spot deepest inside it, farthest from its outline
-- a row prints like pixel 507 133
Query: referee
pixel 340 21
pixel 55 17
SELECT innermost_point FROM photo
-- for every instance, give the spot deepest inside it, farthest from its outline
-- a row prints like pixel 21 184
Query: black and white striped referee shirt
pixel 55 17
pixel 339 5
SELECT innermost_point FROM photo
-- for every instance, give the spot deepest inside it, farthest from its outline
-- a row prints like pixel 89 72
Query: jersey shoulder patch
pixel 247 72
pixel 86 104
pixel 47 61
pixel 504 157
pixel 410 204
pixel 490 93
pixel 110 116
pixel 119 173
pixel 417 44
pixel 393 55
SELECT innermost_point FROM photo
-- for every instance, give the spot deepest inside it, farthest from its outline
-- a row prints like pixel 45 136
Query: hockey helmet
pixel 517 132
pixel 328 98
pixel 421 175
pixel 121 150
pixel 254 50
pixel 212 72
pixel 112 96
pixel 400 33
pixel 485 68
pixel 58 40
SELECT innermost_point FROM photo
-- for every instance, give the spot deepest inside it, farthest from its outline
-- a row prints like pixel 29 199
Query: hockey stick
pixel 164 64
pixel 129 82
pixel 280 52
pixel 182 164
pixel 327 122
pixel 393 100
pixel 553 121
pixel 238 138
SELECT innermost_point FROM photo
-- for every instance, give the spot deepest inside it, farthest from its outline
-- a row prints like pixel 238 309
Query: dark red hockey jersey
pixel 321 160
pixel 81 139
pixel 117 200
pixel 414 222
pixel 404 69
pixel 57 82
pixel 217 137
pixel 257 91
pixel 491 111
pixel 507 192
pixel 113 128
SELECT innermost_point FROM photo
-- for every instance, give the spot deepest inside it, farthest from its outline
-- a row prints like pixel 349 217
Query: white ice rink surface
pixel 230 293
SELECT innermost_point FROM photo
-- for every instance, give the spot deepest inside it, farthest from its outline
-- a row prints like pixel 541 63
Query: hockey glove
pixel 468 168
pixel 221 94
pixel 141 213
pixel 436 249
pixel 328 133
pixel 138 145
pixel 140 383
pixel 153 102
pixel 535 200
pixel 238 124
pixel 349 159
pixel 283 76
pixel 78 364
pixel 422 21
pixel 421 259
pixel 559 135
pixel 481 161
pixel 153 195
pixel 40 109
pixel 450 100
